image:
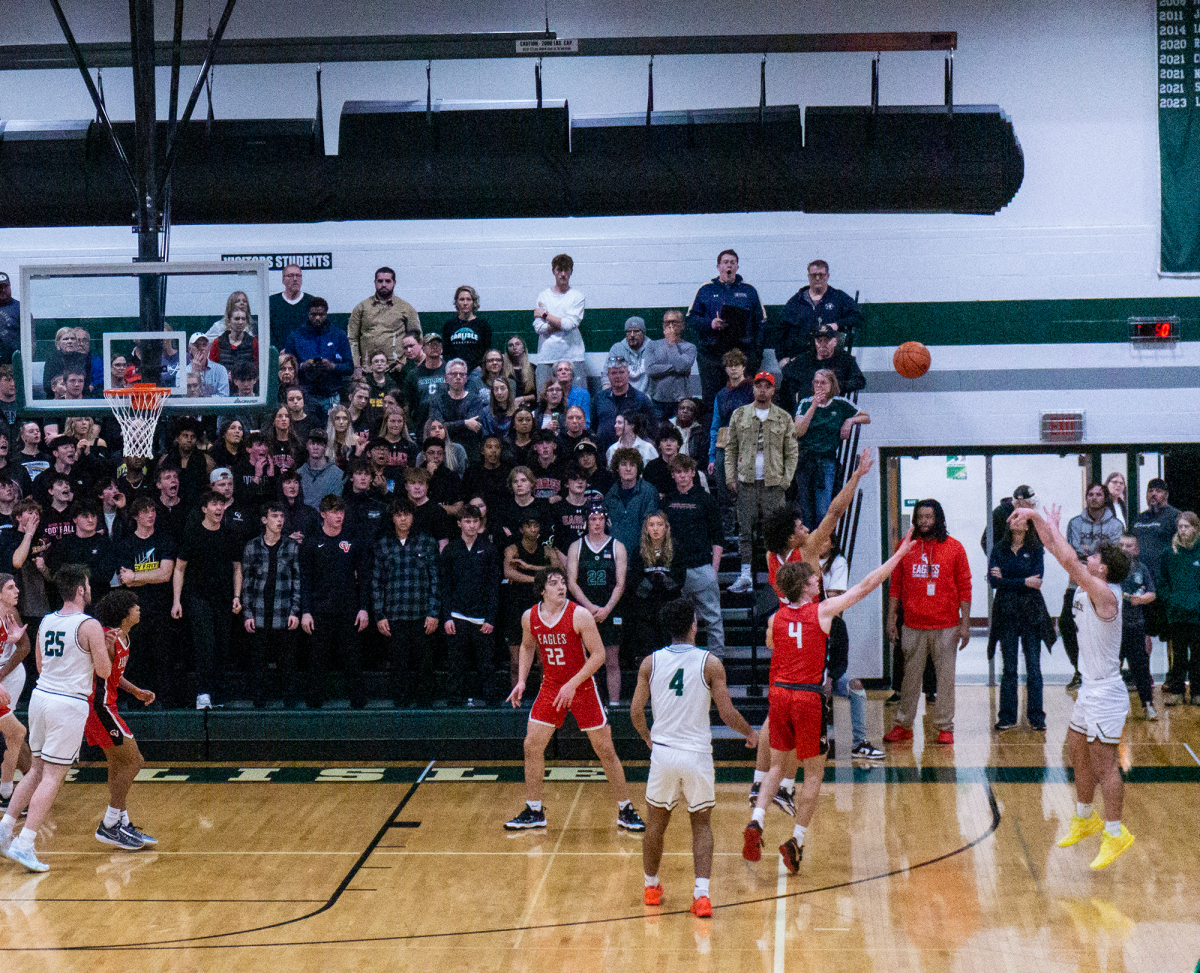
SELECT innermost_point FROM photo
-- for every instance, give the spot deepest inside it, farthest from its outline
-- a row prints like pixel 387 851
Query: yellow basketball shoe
pixel 1081 828
pixel 1112 848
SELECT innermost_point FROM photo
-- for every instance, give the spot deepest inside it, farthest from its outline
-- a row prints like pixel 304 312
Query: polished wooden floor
pixel 942 860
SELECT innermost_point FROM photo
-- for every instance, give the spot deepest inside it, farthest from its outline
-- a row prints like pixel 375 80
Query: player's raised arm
pixel 1051 536
pixel 856 593
pixel 525 663
pixel 714 675
pixel 641 696
pixel 839 504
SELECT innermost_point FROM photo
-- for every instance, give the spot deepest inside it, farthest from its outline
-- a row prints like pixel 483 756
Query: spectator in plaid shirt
pixel 266 586
pixel 407 603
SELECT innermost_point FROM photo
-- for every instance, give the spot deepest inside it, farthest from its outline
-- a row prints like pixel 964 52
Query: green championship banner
pixel 1179 134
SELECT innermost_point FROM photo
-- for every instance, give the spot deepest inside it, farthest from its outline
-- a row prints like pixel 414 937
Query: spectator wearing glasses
pixel 810 307
pixel 634 350
pixel 289 308
pixel 669 364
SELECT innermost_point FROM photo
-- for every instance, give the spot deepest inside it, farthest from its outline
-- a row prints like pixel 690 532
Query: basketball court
pixel 940 859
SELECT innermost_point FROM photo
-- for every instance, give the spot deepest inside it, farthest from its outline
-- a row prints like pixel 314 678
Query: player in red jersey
pixel 566 638
pixel 118 612
pixel 789 541
pixel 14 646
pixel 797 635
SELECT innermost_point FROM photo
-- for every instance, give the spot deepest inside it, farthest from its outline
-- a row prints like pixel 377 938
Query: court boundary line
pixel 199 942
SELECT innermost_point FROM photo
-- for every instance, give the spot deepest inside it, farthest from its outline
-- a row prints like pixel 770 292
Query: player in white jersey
pixel 1103 702
pixel 681 682
pixel 70 651
pixel 14 646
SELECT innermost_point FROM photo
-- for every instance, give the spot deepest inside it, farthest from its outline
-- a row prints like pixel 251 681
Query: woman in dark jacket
pixel 1179 590
pixel 1015 572
pixel 654 582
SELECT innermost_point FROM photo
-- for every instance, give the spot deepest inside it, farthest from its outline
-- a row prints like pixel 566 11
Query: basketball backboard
pixel 85 320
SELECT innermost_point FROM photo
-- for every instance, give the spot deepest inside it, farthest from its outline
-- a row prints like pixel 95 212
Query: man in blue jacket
pixel 810 307
pixel 714 334
pixel 323 353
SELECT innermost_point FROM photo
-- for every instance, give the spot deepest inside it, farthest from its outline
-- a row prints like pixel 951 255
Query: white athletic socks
pixel 1113 828
pixel 112 817
pixel 1083 810
pixel 760 776
pixel 8 823
pixel 534 805
pixel 798 832
pixel 125 817
pixel 788 783
pixel 25 838
pixel 6 789
pixel 621 805
pixel 701 888
pixel 650 880
pixel 758 816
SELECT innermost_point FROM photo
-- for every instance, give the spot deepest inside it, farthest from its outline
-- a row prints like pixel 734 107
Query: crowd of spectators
pixel 390 512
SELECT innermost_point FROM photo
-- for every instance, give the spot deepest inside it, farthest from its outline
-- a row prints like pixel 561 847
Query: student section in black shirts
pixel 568 522
pixel 97 552
pixel 142 555
pixel 510 515
pixel 492 485
pixel 548 481
pixel 445 487
pixel 209 555
pixel 334 574
pixel 432 520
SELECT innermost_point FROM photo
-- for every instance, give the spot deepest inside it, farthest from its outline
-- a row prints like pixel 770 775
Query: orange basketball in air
pixel 911 359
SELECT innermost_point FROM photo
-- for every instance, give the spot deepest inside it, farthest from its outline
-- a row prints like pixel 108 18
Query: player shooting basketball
pixel 801 680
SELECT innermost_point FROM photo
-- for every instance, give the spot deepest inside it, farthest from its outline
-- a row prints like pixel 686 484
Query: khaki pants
pixel 918 644
pixel 755 502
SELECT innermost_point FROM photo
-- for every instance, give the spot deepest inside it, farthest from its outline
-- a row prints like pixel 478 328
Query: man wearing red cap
pixel 760 461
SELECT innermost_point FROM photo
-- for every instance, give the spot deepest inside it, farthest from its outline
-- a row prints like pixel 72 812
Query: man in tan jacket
pixel 759 463
pixel 380 323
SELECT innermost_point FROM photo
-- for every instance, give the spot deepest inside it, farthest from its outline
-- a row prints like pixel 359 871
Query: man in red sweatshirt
pixel 933 582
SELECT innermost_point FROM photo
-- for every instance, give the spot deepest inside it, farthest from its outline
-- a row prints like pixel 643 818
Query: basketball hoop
pixel 137 409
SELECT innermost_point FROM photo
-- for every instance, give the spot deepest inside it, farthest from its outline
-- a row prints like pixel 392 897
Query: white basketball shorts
pixel 56 726
pixel 680 773
pixel 1100 710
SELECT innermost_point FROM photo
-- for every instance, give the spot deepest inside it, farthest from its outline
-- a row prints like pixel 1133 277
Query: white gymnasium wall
pixel 1077 80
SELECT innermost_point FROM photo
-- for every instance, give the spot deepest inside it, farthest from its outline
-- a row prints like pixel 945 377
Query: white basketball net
pixel 138 415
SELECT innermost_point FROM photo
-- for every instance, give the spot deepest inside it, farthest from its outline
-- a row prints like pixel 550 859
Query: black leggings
pixel 1185 659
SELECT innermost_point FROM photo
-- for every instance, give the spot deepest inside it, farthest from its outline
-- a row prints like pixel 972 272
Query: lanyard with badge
pixel 930 584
